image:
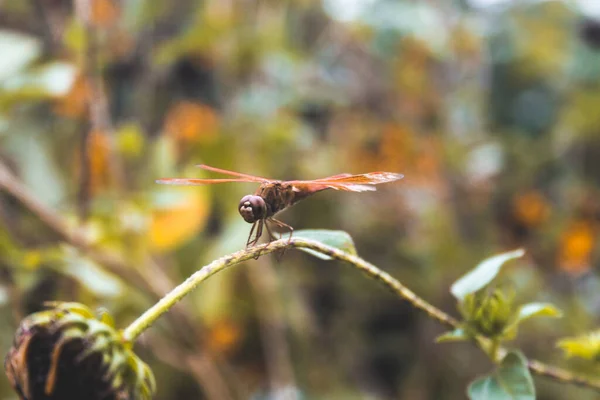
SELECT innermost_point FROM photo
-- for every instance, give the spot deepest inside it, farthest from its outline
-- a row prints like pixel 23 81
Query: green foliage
pixel 489 311
pixel 510 381
pixel 457 335
pixel 338 239
pixel 586 346
pixel 532 310
pixel 492 118
pixel 482 274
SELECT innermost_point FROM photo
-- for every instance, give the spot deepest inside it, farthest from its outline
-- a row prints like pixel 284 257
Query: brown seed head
pixel 67 353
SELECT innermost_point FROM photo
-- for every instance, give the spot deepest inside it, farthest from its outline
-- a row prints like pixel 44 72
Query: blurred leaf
pixel 179 222
pixel 163 156
pixel 532 310
pixel 18 51
pixel 105 317
pixel 339 239
pixel 586 346
pixel 130 140
pixel 528 311
pixel 457 335
pixel 510 381
pixel 54 79
pixel 93 277
pixel 37 166
pixel 483 274
pixel 74 36
pixel 4 295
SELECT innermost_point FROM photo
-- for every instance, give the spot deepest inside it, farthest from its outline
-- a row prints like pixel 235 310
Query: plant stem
pixel 493 350
pixel 133 331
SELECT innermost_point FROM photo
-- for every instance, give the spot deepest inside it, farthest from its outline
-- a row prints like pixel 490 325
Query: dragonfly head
pixel 252 208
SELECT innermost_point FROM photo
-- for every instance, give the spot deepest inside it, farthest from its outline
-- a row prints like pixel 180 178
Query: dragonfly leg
pixel 289 228
pixel 285 226
pixel 259 231
pixel 252 241
pixel 250 235
pixel 270 232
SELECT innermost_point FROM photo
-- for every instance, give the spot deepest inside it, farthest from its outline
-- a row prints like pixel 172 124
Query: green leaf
pixel 92 277
pixel 531 310
pixel 586 346
pixel 18 51
pixel 338 239
pixel 527 311
pixel 483 274
pixel 511 381
pixel 457 335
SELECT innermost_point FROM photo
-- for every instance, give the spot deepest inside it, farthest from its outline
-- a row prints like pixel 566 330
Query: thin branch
pixel 151 315
pixel 562 375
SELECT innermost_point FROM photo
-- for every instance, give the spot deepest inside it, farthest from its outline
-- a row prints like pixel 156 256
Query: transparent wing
pixel 347 182
pixel 192 181
pixel 248 178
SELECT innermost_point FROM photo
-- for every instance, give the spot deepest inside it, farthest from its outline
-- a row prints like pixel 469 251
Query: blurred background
pixel 490 108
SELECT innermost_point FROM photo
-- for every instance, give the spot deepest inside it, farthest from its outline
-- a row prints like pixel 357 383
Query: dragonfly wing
pixel 371 178
pixel 248 178
pixel 347 182
pixel 306 188
pixel 193 182
pixel 334 177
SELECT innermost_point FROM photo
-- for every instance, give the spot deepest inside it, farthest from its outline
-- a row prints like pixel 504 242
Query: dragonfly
pixel 274 196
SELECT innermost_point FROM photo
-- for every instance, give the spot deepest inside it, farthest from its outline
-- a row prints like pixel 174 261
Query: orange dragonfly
pixel 273 196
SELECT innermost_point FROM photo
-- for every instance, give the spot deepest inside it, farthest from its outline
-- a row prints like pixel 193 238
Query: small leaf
pixel 531 310
pixel 483 274
pixel 18 51
pixel 586 346
pixel 92 277
pixel 457 335
pixel 105 317
pixel 187 215
pixel 338 239
pixel 511 381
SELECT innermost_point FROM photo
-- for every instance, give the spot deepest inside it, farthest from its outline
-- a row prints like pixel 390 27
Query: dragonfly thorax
pixel 252 208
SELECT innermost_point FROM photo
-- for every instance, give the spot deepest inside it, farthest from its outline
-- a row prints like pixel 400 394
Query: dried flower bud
pixel 489 313
pixel 67 353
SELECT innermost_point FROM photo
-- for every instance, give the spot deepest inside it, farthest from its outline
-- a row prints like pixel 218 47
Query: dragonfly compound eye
pixel 252 208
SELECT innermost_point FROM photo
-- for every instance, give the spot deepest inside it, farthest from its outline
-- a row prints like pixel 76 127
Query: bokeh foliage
pixel 489 112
